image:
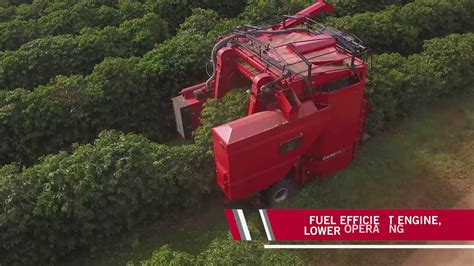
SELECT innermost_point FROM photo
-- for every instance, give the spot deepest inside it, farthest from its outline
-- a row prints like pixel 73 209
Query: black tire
pixel 280 192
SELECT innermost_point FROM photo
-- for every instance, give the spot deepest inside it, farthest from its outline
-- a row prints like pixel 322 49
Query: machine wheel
pixel 280 192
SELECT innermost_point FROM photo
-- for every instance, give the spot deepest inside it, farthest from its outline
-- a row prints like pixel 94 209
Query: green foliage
pixel 36 62
pixel 73 19
pixel 131 9
pixel 220 111
pixel 381 88
pixel 398 85
pixel 74 200
pixel 73 109
pixel 225 251
pixel 123 94
pixel 452 57
pixel 29 118
pixel 44 18
pixel 6 13
pixel 201 20
pixel 403 29
pixel 166 256
pixel 17 2
pixel 139 107
pixel 40 8
pixel 263 11
pixel 348 7
pixel 69 20
pixel 380 30
pixel 175 12
pixel 88 194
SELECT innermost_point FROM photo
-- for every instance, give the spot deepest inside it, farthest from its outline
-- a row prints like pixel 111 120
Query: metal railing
pixel 345 42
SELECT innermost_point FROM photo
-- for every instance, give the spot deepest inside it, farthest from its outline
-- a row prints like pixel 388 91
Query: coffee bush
pixel 404 28
pixel 399 85
pixel 71 201
pixel 36 62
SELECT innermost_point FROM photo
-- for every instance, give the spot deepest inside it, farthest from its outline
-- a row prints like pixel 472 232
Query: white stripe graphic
pixel 245 227
pixel 265 225
pixel 369 246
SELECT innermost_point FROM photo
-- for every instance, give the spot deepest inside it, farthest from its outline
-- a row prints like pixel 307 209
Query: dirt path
pixel 446 257
pixel 463 182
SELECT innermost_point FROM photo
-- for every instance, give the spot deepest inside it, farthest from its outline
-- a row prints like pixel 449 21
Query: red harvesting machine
pixel 306 110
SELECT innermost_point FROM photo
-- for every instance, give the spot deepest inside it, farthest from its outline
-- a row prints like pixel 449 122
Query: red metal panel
pixel 251 146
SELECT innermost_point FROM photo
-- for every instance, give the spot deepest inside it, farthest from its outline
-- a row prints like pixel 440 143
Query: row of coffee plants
pixel 225 251
pixel 73 200
pixel 403 28
pixel 264 11
pixel 398 85
pixel 38 61
pixel 50 19
pixel 70 20
pixel 131 95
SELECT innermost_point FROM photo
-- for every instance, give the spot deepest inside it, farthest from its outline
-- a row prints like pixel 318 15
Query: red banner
pixel 238 225
pixel 368 224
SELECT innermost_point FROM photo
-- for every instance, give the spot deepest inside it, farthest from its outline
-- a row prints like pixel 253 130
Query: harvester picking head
pixel 306 107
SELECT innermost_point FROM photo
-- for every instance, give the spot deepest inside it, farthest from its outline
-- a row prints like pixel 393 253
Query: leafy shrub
pixel 403 29
pixel 36 62
pixel 347 7
pixel 232 106
pixel 44 18
pixel 385 80
pixel 74 200
pixel 131 9
pixel 398 85
pixel 225 251
pixel 124 94
pixel 139 107
pixel 39 8
pixel 201 20
pixel 6 13
pixel 264 11
pixel 452 57
pixel 69 20
pixel 74 108
pixel 17 2
pixel 166 256
pixel 175 12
